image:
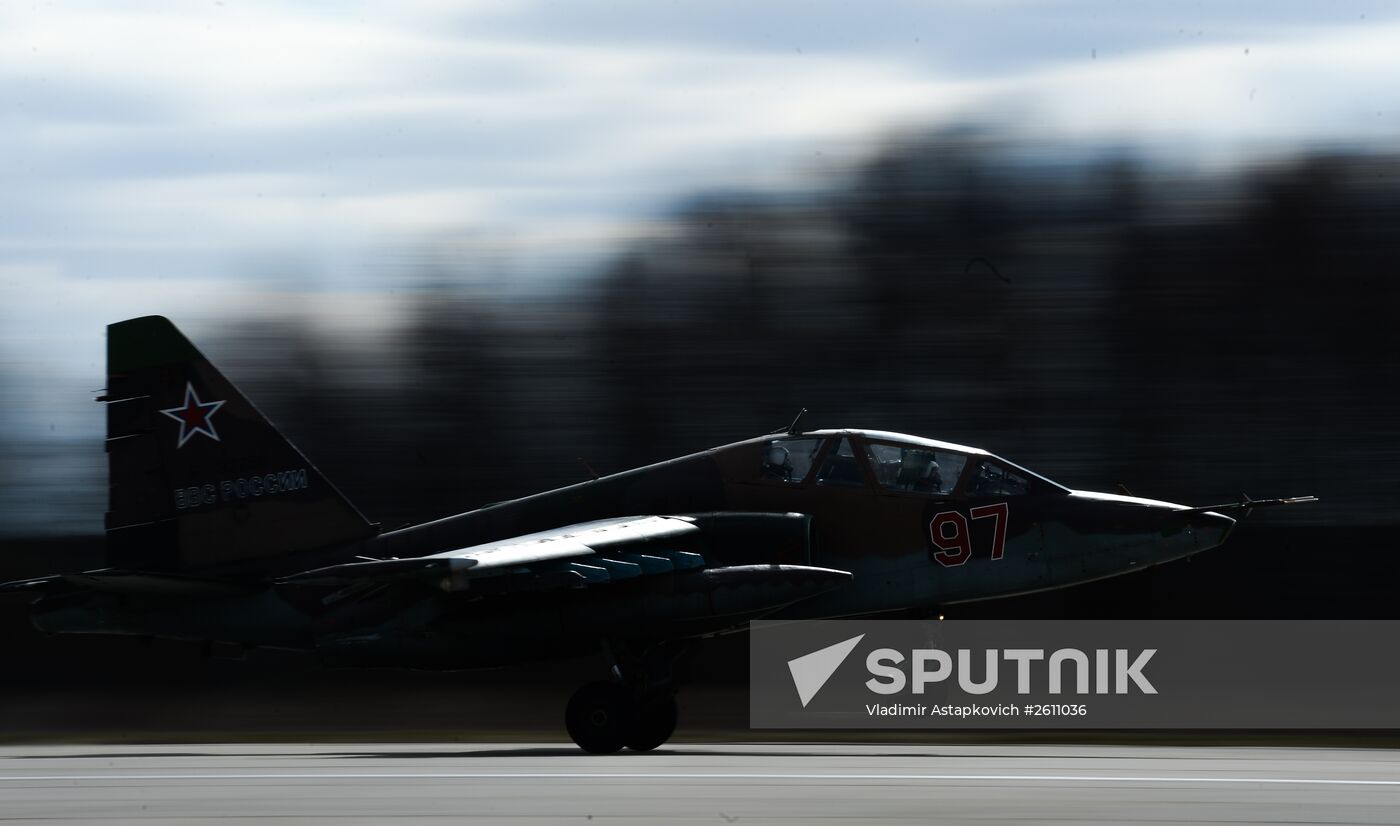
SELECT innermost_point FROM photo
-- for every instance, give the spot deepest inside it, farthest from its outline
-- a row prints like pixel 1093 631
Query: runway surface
pixel 523 784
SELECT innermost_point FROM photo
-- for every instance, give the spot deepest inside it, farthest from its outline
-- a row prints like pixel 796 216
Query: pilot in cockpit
pixel 918 471
pixel 931 481
pixel 777 464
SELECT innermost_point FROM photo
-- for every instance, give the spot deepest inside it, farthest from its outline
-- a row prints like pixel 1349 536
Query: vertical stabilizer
pixel 199 478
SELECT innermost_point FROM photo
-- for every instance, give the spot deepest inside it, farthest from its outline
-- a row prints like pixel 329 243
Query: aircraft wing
pixel 586 553
pixel 583 555
pixel 545 555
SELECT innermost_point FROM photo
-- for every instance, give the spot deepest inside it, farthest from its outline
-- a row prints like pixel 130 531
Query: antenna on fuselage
pixel 792 428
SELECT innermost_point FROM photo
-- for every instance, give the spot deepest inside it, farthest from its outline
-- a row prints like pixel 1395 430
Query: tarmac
pixel 687 783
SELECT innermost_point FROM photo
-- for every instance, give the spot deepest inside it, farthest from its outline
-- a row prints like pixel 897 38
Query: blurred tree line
pixel 1097 317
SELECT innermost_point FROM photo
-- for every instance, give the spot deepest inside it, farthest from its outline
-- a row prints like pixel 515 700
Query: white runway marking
pixel 777 784
pixel 1055 778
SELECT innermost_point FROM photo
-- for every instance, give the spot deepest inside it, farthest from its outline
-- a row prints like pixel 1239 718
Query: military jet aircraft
pixel 219 529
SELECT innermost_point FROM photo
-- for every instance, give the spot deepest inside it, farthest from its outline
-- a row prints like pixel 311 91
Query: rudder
pixel 199 479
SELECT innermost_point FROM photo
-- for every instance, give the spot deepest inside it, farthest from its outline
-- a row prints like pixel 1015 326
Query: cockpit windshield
pixel 915 466
pixel 991 478
pixel 789 460
pixel 916 469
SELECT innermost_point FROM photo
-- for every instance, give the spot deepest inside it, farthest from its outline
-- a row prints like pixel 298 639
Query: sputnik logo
pixel 194 416
pixel 811 671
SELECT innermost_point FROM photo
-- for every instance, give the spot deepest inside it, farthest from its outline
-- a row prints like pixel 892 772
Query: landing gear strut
pixel 637 710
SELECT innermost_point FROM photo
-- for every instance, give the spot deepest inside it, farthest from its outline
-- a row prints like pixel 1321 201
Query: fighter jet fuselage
pixel 220 530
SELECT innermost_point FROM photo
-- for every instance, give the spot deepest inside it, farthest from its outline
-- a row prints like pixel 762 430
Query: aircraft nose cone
pixel 1210 529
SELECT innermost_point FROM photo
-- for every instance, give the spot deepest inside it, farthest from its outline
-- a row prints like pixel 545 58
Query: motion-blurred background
pixel 453 249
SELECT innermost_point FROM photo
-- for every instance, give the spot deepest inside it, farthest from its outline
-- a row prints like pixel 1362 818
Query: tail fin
pixel 199 479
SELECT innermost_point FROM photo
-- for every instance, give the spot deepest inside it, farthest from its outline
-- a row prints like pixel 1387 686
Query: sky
pixel 167 157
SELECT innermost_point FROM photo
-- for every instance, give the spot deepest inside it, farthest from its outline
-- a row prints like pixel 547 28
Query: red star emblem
pixel 194 416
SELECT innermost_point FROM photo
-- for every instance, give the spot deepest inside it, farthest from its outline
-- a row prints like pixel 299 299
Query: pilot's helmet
pixel 776 456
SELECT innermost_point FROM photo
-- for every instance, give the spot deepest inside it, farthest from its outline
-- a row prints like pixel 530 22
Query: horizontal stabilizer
pixel 40 585
pixel 127 582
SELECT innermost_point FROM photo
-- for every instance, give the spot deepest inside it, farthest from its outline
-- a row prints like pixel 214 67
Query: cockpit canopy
pixel 895 463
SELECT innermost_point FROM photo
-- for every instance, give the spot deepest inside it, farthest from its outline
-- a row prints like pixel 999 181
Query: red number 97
pixel 948 530
pixel 956 547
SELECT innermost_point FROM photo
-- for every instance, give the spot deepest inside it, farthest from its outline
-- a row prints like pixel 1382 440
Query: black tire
pixel 654 724
pixel 600 717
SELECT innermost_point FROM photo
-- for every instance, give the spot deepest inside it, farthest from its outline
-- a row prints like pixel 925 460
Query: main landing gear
pixel 607 716
pixel 636 710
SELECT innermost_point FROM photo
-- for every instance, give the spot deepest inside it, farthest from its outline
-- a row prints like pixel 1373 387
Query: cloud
pixel 198 143
pixel 1332 86
pixel 216 159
